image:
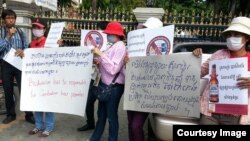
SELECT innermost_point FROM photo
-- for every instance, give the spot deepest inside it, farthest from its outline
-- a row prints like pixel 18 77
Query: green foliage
pixel 115 4
pixel 86 4
pixel 162 4
pixel 178 5
pixel 63 2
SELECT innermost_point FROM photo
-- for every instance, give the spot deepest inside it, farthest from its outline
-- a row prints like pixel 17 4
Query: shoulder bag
pixel 103 91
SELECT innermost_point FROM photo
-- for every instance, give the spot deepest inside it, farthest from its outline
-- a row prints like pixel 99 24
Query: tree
pixel 232 6
pixel 216 5
pixel 227 6
pixel 244 6
pixel 63 2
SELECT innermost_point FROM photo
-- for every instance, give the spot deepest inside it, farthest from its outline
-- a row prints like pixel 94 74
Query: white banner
pixel 50 4
pixel 32 5
pixel 148 42
pixel 56 79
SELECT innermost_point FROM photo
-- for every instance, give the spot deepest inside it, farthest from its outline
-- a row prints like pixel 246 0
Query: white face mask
pixel 38 32
pixel 234 43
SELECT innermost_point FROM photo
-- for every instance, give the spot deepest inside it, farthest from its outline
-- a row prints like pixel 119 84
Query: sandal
pixel 34 131
pixel 44 134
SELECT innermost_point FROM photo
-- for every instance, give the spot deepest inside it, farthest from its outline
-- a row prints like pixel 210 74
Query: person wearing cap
pixel 153 22
pixel 238 38
pixel 11 37
pixel 38 30
pixel 137 119
pixel 44 121
pixel 110 63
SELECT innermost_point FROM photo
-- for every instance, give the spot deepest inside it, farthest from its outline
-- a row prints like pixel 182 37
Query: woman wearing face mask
pixel 38 30
pixel 238 38
pixel 110 64
pixel 42 126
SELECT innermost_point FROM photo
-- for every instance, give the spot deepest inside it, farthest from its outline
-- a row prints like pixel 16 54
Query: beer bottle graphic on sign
pixel 213 86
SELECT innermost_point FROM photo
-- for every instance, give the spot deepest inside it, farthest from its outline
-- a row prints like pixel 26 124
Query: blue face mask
pixel 111 38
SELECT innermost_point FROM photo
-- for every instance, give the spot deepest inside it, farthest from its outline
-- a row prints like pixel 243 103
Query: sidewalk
pixel 65 128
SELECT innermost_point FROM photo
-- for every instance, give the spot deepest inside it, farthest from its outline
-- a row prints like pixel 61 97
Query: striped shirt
pixel 221 54
pixel 112 62
pixel 14 42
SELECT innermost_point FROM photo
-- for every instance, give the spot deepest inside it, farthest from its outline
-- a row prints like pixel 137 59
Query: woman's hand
pixel 19 53
pixel 197 52
pixel 243 82
pixel 96 51
pixel 96 61
pixel 126 59
pixel 60 42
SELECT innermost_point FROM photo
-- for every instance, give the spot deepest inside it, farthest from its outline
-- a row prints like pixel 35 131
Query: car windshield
pixel 207 48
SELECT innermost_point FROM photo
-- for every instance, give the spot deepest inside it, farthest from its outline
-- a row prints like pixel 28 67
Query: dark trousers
pixel 8 73
pixel 108 110
pixel 136 121
pixel 90 105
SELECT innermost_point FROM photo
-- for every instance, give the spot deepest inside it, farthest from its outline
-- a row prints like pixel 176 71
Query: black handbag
pixel 103 91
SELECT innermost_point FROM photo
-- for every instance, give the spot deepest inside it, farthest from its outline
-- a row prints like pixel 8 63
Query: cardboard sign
pixel 166 84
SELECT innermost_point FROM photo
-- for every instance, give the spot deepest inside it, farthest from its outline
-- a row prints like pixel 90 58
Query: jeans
pixel 108 110
pixel 48 123
pixel 8 73
pixel 136 121
pixel 90 105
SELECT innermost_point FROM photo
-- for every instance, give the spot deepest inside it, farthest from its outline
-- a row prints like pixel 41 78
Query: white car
pixel 161 126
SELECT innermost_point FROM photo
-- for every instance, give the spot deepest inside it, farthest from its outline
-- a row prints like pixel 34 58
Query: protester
pixel 110 64
pixel 44 126
pixel 238 38
pixel 137 119
pixel 91 97
pixel 12 38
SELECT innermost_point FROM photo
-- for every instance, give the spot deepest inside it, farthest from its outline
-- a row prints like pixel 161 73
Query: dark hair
pixel 8 12
pixel 102 24
pixel 121 38
pixel 248 44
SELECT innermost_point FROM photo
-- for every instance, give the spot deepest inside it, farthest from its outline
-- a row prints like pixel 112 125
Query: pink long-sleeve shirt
pixel 112 62
pixel 221 54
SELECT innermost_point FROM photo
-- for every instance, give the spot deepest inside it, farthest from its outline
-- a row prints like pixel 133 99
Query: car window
pixel 207 48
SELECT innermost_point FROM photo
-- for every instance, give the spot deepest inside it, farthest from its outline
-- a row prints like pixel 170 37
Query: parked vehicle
pixel 161 126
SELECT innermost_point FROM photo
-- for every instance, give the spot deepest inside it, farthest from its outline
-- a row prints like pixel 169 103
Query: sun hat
pixel 38 23
pixel 114 28
pixel 239 24
pixel 153 22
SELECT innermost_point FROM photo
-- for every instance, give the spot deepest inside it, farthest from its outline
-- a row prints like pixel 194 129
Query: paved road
pixel 65 128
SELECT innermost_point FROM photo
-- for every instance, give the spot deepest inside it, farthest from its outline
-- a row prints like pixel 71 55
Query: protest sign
pixel 166 84
pixel 56 79
pixel 224 94
pixel 147 42
pixel 94 38
pixel 54 34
